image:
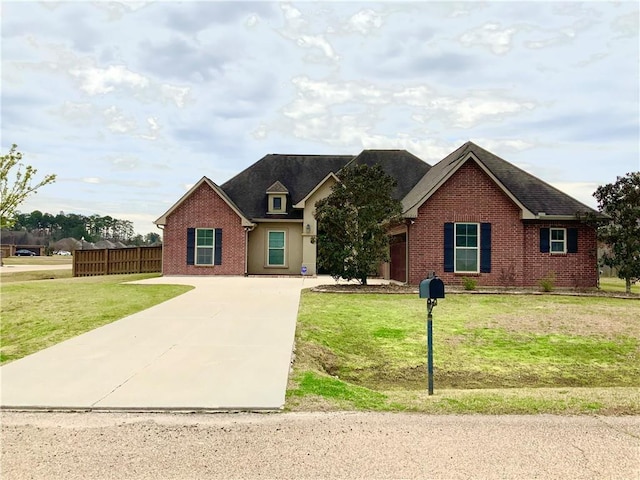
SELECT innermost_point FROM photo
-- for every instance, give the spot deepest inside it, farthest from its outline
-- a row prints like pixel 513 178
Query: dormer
pixel 277 199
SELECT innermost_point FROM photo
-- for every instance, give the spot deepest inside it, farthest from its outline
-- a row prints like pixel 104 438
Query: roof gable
pixel 204 180
pixel 536 198
pixel 277 187
pixel 300 173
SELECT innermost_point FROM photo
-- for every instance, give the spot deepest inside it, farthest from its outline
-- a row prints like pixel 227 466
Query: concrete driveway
pixel 224 345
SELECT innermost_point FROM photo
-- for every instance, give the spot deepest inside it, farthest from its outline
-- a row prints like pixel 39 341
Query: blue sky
pixel 131 103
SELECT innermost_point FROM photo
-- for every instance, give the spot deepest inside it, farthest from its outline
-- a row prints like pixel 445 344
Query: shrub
pixel 548 283
pixel 469 283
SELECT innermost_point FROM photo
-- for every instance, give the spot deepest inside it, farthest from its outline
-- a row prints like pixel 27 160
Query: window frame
pixel 283 248
pixel 283 204
pixel 456 247
pixel 198 247
pixel 563 241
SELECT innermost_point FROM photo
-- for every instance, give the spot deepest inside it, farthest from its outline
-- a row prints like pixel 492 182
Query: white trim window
pixel 467 247
pixel 558 240
pixel 276 248
pixel 277 203
pixel 204 246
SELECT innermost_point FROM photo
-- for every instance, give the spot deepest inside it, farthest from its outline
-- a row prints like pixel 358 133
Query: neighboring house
pixel 471 215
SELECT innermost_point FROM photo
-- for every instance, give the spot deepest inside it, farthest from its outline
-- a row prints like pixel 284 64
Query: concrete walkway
pixel 224 345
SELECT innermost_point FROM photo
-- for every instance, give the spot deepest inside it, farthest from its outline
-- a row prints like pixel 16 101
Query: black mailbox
pixel 432 287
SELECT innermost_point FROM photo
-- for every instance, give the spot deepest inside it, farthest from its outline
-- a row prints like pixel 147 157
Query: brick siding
pixel 470 195
pixel 203 209
pixel 569 270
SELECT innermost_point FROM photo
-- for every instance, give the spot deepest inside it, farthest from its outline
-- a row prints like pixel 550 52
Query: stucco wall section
pixel 309 245
pixel 203 209
pixel 257 260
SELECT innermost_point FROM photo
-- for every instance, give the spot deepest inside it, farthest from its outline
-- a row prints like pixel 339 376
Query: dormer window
pixel 277 199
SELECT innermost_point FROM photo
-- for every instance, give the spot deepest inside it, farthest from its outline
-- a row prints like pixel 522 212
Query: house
pixel 472 214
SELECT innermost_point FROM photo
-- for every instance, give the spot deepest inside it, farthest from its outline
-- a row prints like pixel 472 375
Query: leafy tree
pixel 151 238
pixel 16 184
pixel 353 221
pixel 621 202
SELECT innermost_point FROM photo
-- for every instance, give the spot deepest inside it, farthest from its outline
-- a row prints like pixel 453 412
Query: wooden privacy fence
pixel 113 261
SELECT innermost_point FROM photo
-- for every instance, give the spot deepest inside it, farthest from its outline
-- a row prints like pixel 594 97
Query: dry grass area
pixel 571 319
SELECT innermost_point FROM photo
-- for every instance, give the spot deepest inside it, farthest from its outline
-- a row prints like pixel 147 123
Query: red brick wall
pixel 470 195
pixel 203 209
pixel 569 270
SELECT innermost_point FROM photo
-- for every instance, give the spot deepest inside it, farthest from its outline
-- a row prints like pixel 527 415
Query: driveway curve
pixel 226 344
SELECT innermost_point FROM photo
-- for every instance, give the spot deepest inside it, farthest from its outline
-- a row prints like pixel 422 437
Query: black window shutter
pixel 191 245
pixel 217 253
pixel 448 247
pixel 544 240
pixel 485 247
pixel 572 240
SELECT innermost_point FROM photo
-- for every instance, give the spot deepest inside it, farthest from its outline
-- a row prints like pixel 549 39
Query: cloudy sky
pixel 130 103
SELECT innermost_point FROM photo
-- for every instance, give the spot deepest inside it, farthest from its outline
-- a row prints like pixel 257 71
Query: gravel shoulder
pixel 107 445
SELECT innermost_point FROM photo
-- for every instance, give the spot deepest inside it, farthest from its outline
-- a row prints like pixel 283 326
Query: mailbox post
pixel 431 288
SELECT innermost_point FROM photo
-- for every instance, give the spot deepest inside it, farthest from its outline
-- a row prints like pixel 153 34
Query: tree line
pixel 93 228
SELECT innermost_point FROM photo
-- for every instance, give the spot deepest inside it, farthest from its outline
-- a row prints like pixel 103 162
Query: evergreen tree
pixel 621 202
pixel 353 222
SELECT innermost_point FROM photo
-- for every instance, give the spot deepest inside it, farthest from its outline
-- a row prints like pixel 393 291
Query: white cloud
pixel 297 29
pixel 293 16
pixel 252 21
pixel 153 129
pixel 177 95
pixel 490 35
pixel 365 21
pixel 118 122
pixel 93 180
pixel 470 111
pixel 315 97
pixel 317 41
pixel 96 81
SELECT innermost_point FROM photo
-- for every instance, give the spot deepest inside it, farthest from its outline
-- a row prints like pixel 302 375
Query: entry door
pixel 398 254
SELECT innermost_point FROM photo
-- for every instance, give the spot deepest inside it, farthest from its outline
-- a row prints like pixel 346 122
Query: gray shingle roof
pixel 405 167
pixel 534 194
pixel 299 173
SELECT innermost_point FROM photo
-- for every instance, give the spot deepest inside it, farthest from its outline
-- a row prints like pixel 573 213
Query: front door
pixel 398 254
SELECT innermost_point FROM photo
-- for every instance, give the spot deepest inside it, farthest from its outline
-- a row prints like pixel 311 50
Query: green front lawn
pixel 369 351
pixel 39 313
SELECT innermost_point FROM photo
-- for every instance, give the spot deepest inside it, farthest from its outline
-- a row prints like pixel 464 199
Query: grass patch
pixel 484 347
pixel 341 392
pixel 39 260
pixel 40 313
pixel 614 284
pixel 9 277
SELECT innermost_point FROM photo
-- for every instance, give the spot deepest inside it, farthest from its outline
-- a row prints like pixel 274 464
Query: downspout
pixel 407 260
pixel 246 251
pixel 160 227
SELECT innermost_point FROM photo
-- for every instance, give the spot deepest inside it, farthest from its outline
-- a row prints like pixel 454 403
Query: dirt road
pixel 316 445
